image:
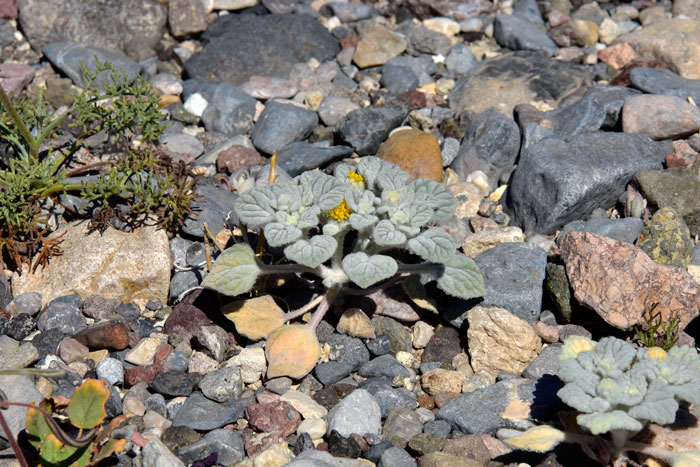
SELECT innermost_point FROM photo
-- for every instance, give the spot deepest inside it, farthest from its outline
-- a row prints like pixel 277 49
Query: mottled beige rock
pixel 479 242
pixel 422 332
pixel 689 8
pixel 479 447
pixel 608 31
pixel 676 41
pixel 144 353
pixel 255 318
pixel 130 267
pixel 621 283
pixel 500 341
pixel 438 380
pixel 468 197
pixel 304 404
pixel 251 361
pixel 377 46
pixel 276 455
pixel 354 322
pixel 446 26
pixel 618 55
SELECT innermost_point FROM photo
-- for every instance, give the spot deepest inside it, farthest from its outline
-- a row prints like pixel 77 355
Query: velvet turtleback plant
pixel 617 390
pixel 346 229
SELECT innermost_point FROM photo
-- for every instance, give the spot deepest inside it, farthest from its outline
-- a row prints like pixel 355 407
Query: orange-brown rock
pixel 416 152
pixel 621 283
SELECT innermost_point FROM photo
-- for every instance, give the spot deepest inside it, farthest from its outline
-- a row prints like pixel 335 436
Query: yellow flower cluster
pixel 340 212
pixel 355 177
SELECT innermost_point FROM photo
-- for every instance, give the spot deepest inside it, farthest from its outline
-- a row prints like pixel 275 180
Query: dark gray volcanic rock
pixel 234 51
pixel 559 180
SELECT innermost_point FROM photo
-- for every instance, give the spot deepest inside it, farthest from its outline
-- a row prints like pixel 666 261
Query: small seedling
pixel 348 230
pixel 617 390
pixel 656 333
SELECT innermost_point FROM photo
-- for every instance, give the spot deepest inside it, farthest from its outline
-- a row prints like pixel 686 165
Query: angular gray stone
pixel 18 388
pixel 559 180
pixel 517 33
pixel 300 156
pixel 67 57
pixel 514 274
pixel 227 444
pixel 232 53
pixel 213 208
pixel 223 384
pixel 385 365
pixel 626 229
pixel 230 110
pixel 357 413
pixel 491 144
pixel 396 457
pixel 280 124
pixel 461 60
pixel 655 81
pixel 200 413
pixel 366 129
pixel 546 363
pixel 157 454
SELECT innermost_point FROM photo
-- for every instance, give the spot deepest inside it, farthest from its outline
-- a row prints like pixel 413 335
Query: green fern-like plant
pixel 37 164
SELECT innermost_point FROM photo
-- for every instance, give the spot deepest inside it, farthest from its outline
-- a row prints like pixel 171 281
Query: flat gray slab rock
pixel 559 180
pixel 233 52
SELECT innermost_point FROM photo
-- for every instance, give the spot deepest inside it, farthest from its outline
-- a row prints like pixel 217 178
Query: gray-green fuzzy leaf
pixel 434 245
pixel 362 221
pixel 234 272
pixel 278 234
pixel 436 195
pixel 313 252
pixel 366 270
pixel 254 207
pixel 598 423
pixel 461 278
pixel 386 234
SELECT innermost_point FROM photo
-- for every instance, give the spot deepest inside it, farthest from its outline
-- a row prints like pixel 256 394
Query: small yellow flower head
pixel 340 212
pixel 574 345
pixel 656 353
pixel 355 177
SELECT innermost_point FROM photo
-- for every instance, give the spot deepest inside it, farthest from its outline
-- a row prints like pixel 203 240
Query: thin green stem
pixel 20 124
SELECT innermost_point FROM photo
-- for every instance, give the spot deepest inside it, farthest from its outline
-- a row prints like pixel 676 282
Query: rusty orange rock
pixel 621 283
pixel 416 152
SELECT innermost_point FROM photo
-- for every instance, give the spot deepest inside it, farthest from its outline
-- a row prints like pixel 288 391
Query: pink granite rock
pixel 621 283
pixel 14 77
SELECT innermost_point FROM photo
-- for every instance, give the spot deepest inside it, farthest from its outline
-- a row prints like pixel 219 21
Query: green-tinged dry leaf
pixel 366 270
pixel 110 447
pixel 53 452
pixel 234 272
pixel 461 278
pixel 36 426
pixel 87 406
pixel 291 350
pixel 541 438
pixel 255 318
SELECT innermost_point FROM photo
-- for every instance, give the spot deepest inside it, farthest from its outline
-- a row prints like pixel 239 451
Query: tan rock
pixel 479 447
pixel 621 283
pixel 130 267
pixel 468 197
pixel 437 380
pixel 144 352
pixel 416 152
pixel 479 242
pixel 255 318
pixel 660 117
pixel 676 41
pixel 377 46
pixel 618 55
pixel 354 322
pixel 588 31
pixel 422 332
pixel 304 404
pixel 442 459
pixel 608 31
pixel 446 26
pixel 500 341
pixel 689 8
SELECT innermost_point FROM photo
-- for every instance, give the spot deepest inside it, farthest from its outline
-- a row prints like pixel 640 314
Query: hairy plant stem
pixel 323 308
pixel 284 268
pixel 300 311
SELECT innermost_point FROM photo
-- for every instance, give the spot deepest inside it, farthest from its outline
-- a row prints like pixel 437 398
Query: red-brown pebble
pixel 112 335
